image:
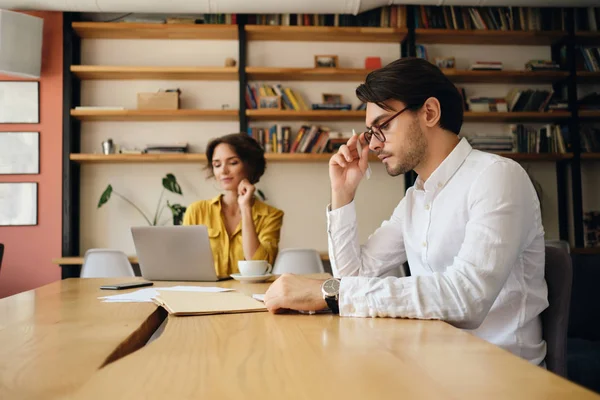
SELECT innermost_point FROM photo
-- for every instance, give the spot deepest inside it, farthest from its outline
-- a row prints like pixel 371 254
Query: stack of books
pixel 591 58
pixel 486 66
pixel 487 104
pixel 290 99
pixel 548 139
pixel 166 148
pixel 493 144
pixel 331 106
pixel 541 65
pixel 529 100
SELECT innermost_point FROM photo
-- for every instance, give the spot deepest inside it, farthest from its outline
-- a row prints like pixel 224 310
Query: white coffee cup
pixel 254 267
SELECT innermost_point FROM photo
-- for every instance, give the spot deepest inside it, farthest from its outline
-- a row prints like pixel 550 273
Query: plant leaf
pixel 178 211
pixel 261 194
pixel 105 196
pixel 170 183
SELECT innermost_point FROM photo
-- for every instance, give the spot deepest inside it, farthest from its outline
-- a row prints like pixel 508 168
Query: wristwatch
pixel 331 292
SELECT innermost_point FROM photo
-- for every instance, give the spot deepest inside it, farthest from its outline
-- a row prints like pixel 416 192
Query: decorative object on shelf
pixel 19 102
pixel 161 100
pixel 330 98
pixel 273 102
pixel 372 62
pixel 230 62
pixel 18 204
pixel 169 183
pixel 225 106
pixel 19 153
pixel 445 62
pixel 108 147
pixel 326 61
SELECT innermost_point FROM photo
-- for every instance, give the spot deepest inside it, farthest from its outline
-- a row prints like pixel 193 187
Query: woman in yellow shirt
pixel 240 226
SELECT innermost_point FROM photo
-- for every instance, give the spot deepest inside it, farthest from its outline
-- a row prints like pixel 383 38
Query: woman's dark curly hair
pixel 247 149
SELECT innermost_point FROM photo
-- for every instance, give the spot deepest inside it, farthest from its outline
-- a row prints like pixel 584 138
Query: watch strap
pixel 333 304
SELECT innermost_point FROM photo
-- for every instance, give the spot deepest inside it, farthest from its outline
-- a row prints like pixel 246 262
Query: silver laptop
pixel 174 253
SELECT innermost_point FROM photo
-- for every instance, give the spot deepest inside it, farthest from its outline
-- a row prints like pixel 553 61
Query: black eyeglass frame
pixel 375 130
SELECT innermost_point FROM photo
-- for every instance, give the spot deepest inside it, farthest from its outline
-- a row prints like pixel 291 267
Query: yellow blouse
pixel 227 251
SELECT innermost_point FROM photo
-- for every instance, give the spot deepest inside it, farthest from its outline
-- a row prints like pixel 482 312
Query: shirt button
pixel 427 206
pixel 440 184
pixel 424 244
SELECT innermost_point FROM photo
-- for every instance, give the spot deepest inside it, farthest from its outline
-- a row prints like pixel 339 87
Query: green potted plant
pixel 169 182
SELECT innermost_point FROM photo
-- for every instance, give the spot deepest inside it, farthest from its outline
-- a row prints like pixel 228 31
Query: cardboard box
pixel 158 101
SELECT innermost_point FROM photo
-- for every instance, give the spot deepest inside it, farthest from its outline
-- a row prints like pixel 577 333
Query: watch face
pixel 331 287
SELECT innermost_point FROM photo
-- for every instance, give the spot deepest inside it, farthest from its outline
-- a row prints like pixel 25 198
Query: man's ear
pixel 432 112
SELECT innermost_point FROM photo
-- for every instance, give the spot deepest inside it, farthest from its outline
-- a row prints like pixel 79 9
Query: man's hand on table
pixel 294 292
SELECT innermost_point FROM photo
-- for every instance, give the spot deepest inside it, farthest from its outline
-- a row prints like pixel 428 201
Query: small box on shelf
pixel 162 100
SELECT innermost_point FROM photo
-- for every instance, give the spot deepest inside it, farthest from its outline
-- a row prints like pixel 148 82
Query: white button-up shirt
pixel 473 237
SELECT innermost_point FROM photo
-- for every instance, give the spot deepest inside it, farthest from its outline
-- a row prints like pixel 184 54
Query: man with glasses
pixel 470 227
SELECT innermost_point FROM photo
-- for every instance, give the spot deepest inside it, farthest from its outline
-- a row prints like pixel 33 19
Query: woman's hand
pixel 245 194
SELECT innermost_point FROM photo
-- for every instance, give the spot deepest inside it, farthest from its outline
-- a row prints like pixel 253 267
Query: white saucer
pixel 251 278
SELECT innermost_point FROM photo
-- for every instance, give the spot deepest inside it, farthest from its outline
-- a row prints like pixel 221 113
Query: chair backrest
pixel 555 319
pixel 1 254
pixel 298 261
pixel 105 263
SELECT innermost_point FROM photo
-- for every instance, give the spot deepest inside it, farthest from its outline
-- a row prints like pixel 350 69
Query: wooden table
pixel 61 341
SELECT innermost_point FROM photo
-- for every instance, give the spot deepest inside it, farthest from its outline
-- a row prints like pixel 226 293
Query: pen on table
pixel 359 148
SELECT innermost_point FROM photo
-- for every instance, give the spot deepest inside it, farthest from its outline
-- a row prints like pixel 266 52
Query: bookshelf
pixel 109 72
pixel 119 30
pixel 154 115
pixel 244 34
pixel 485 37
pixel 325 34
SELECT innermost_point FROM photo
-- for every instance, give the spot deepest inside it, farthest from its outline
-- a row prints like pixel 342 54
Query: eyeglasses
pixel 375 130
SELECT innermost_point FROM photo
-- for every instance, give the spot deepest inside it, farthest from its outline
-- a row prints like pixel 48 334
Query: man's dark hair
pixel 412 81
pixel 246 148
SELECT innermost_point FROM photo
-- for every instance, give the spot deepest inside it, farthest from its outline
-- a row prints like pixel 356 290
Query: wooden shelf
pixel 325 34
pixel 316 115
pixel 590 156
pixel 132 259
pixel 588 38
pixel 485 37
pixel 586 250
pixel 306 74
pixel 137 158
pixel 588 77
pixel 504 77
pixel 105 72
pixel 515 116
pixel 155 115
pixel 589 114
pixel 193 158
pixel 123 30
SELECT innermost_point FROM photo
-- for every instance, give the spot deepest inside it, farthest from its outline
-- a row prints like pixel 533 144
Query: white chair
pixel 298 261
pixel 105 263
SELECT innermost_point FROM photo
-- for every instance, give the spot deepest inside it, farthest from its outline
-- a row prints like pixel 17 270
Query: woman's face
pixel 228 168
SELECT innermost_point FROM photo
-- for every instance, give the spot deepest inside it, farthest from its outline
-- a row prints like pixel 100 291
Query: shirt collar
pixel 259 208
pixel 447 168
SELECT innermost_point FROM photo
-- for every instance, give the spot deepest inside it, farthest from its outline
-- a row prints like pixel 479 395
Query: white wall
pixel 300 189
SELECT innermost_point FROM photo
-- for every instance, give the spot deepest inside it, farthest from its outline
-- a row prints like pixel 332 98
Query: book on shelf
pixel 486 66
pixel 383 17
pixel 591 59
pixel 166 148
pixel 489 18
pixel 541 65
pixel 328 106
pixel 487 104
pixel 590 101
pixel 547 139
pixel 587 19
pixel 590 139
pixel 291 99
pixel 492 143
pixel 591 229
pixel 529 100
pixel 278 139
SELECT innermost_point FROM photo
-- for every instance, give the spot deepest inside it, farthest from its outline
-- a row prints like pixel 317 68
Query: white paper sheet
pixel 259 297
pixel 146 295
